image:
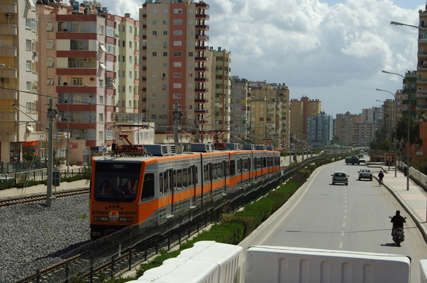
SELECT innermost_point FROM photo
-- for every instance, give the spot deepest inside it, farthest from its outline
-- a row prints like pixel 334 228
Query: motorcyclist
pixel 397 221
pixel 380 177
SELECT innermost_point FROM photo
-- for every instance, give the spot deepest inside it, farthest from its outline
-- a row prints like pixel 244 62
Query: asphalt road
pixel 339 217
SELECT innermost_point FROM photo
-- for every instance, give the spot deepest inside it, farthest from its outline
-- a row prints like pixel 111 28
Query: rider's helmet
pixel 397 212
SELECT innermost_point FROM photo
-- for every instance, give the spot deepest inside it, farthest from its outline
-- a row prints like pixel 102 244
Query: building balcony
pixel 76 71
pixel 76 107
pixel 201 80
pixel 201 90
pixel 11 29
pixel 110 90
pixel 202 16
pixel 84 125
pixel 202 58
pixel 201 100
pixel 202 5
pixel 9 51
pixel 76 89
pixel 200 111
pixel 8 7
pixel 77 35
pixel 202 37
pixel 202 48
pixel 8 94
pixel 201 69
pixel 8 73
pixel 144 58
pixel 202 27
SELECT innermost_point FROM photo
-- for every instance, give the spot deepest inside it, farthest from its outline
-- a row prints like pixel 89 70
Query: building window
pixel 177 75
pixel 177 54
pixel 28 86
pixel 177 96
pixel 176 85
pixel 100 135
pixel 177 11
pixel 165 54
pixel 28 44
pixel 49 26
pixel 165 22
pixel 154 11
pixel 49 62
pixel 190 54
pixel 154 22
pixel 154 54
pixel 101 117
pixel 177 22
pixel 154 32
pixel 77 81
pixel 49 44
pixel 50 81
pixel 165 32
pixel 165 11
pixel 110 31
pixel 177 32
pixel 101 30
pixel 177 43
pixel 177 64
pixel 28 23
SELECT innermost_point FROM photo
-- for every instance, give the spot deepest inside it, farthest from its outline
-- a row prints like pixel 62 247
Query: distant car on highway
pixel 365 174
pixel 340 177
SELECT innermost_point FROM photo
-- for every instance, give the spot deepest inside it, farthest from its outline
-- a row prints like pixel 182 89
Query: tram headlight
pixel 101 218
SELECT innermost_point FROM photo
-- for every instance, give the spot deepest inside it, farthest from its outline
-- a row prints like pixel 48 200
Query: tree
pixel 381 135
pixel 414 128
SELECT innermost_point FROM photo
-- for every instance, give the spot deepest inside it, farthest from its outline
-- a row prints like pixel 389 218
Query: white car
pixel 340 177
pixel 365 174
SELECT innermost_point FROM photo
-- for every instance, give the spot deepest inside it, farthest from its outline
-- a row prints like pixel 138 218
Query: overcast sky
pixel 329 50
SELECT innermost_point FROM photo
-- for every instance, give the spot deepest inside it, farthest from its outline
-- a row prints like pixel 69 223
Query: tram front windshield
pixel 116 182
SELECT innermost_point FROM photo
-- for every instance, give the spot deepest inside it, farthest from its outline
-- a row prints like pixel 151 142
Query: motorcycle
pixel 398 235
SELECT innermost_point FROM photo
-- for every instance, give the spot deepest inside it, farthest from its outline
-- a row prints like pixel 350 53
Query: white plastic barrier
pixel 206 262
pixel 423 264
pixel 286 264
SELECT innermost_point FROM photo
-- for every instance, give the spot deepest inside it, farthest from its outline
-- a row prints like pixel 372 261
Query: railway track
pixel 42 197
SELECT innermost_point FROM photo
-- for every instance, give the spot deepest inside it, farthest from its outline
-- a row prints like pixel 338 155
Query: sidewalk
pixel 413 200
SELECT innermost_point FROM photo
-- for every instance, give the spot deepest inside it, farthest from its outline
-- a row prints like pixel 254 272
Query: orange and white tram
pixel 152 190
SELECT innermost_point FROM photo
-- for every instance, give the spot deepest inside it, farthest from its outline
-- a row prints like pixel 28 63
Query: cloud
pixel 311 46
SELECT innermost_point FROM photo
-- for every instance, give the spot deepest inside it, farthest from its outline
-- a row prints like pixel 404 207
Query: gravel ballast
pixel 33 236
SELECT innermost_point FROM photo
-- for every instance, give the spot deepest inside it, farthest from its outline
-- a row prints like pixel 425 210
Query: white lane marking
pixel 340 245
pixel 343 225
pixel 345 216
pixel 342 233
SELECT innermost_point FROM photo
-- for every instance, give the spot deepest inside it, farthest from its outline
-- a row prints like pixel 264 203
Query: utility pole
pixel 177 115
pixel 51 113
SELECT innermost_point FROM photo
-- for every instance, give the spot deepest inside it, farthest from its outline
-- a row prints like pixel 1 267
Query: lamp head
pixel 396 23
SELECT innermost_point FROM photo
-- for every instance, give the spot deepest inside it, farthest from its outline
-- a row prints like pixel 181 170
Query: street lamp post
pixel 395 130
pixel 409 119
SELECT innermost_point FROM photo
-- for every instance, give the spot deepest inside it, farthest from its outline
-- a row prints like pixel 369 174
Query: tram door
pixel 194 182
pixel 240 172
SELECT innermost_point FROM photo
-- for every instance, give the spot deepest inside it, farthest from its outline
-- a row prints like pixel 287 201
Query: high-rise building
pixel 319 130
pixel 221 84
pixel 269 113
pixel 345 127
pixel 175 67
pixel 239 110
pixel 19 79
pixel 300 111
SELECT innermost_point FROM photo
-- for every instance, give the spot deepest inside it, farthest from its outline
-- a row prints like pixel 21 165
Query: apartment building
pixel 221 84
pixel 269 113
pixel 19 80
pixel 300 111
pixel 319 130
pixel 345 127
pixel 239 110
pixel 175 68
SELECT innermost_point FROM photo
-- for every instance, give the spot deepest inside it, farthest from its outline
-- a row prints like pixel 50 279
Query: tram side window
pixel 245 165
pixel 215 171
pixel 189 179
pixel 184 178
pixel 264 162
pixel 148 186
pixel 161 188
pixel 249 164
pixel 178 179
pixel 232 167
